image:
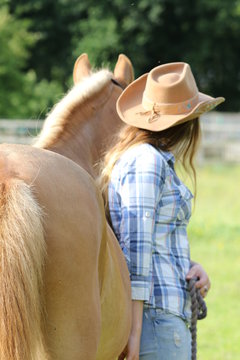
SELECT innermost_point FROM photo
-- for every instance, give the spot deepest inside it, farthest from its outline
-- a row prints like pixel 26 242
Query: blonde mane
pixel 59 117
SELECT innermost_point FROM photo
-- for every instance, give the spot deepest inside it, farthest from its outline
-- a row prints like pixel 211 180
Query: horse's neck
pixel 79 130
pixel 76 143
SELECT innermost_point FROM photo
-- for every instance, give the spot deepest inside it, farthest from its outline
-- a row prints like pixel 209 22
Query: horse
pixel 64 285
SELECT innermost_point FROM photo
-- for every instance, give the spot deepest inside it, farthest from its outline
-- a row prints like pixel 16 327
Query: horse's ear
pixel 123 71
pixel 82 68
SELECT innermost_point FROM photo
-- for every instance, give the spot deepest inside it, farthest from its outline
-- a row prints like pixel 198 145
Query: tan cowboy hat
pixel 166 96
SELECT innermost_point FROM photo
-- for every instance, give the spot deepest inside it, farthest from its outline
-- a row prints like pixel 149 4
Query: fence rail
pixel 19 131
pixel 220 135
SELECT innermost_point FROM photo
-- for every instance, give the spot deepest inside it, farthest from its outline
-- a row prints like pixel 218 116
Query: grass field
pixel 214 234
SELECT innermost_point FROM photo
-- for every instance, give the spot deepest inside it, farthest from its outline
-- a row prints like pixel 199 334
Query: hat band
pixel 170 109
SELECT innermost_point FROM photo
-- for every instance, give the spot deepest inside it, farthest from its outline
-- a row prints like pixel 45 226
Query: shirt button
pixel 147 214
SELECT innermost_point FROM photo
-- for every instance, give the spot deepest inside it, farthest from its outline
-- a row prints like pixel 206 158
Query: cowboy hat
pixel 164 97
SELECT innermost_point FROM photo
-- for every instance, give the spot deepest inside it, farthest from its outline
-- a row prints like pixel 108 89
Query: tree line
pixel 40 40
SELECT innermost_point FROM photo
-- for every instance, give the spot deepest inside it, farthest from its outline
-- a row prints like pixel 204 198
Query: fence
pixel 220 135
pixel 19 131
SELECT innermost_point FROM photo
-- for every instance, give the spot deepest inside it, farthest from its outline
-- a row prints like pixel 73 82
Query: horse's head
pixel 108 120
pixel 82 125
pixel 123 72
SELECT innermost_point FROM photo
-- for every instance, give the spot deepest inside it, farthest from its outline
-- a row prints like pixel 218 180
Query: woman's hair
pixel 182 140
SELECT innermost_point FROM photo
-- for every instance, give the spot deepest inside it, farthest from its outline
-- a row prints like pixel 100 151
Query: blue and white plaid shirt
pixel 150 209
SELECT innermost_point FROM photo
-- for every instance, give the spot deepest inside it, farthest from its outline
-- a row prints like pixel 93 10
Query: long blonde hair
pixel 182 140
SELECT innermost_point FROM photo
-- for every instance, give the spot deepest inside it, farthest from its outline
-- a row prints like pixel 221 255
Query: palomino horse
pixel 64 284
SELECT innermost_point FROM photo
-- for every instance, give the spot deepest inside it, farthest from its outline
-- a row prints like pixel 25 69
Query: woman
pixel 149 207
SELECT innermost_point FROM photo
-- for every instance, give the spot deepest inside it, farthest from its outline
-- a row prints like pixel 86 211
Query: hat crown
pixel 171 83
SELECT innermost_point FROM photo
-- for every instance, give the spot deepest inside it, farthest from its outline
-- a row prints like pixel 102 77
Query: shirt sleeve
pixel 140 193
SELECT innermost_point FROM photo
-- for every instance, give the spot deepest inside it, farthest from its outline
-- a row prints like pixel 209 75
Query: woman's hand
pixel 131 351
pixel 203 283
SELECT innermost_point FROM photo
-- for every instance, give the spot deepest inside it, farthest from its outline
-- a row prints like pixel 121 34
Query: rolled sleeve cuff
pixel 140 290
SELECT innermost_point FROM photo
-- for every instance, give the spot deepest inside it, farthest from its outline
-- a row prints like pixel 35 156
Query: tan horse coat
pixel 64 284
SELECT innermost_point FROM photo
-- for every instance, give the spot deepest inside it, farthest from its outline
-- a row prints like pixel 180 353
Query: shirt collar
pixel 169 157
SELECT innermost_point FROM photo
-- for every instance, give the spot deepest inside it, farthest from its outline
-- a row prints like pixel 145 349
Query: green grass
pixel 214 235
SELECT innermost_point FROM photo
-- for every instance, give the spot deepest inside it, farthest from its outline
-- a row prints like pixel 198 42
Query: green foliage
pixel 101 38
pixel 45 37
pixel 55 23
pixel 21 95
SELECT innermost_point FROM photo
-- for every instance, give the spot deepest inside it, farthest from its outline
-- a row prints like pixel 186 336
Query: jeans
pixel 164 336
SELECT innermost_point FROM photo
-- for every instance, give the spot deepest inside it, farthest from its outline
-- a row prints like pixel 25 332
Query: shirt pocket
pixel 175 204
pixel 184 203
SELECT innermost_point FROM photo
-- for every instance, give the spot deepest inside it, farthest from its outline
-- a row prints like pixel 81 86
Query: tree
pixel 151 32
pixel 20 94
pixel 54 22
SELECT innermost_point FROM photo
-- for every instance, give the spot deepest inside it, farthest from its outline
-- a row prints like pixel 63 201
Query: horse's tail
pixel 22 254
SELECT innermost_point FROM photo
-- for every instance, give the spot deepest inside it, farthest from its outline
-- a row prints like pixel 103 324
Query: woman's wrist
pixel 137 314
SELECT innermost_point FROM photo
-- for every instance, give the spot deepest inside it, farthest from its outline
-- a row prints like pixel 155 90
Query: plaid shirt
pixel 150 209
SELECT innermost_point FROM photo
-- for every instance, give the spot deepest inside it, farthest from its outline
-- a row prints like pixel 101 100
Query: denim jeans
pixel 164 336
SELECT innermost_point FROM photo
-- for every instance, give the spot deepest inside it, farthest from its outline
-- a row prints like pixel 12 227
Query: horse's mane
pixel 58 118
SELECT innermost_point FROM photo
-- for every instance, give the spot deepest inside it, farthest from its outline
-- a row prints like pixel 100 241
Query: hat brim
pixel 131 111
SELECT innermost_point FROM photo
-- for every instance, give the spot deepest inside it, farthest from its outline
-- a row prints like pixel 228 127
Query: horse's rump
pixel 71 239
